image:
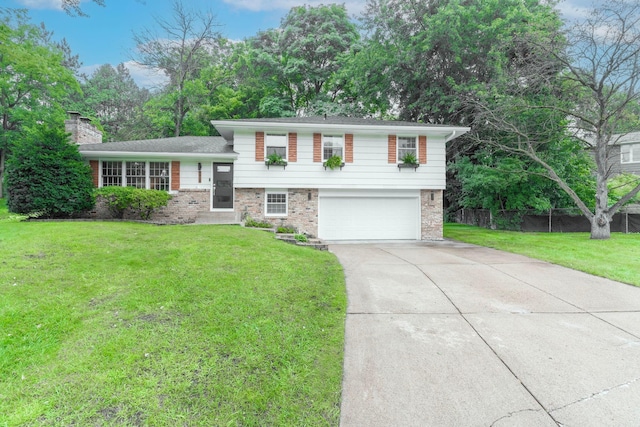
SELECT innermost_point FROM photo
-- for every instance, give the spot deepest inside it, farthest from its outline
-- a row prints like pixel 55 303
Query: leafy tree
pixel 34 78
pixel 424 55
pixel 184 47
pixel 112 96
pixel 598 85
pixel 302 58
pixel 46 175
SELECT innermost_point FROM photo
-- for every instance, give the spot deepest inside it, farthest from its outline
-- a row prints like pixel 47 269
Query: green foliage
pixel 300 61
pixel 301 238
pixel 140 200
pixel 275 159
pixel 34 79
pixel 333 162
pixel 286 230
pixel 426 56
pixel 498 181
pixel 112 97
pixel 409 159
pixel 45 174
pixel 250 222
pixel 622 184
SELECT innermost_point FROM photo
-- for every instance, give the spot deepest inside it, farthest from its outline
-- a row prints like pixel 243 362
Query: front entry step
pixel 218 218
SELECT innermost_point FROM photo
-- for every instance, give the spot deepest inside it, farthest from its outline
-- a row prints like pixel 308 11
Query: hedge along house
pixel 370 195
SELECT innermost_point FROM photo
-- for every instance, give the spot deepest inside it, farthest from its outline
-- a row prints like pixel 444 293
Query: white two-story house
pixel 371 194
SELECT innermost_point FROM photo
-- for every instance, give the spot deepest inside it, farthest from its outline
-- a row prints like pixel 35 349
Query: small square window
pixel 276 144
pixel 332 146
pixel 625 153
pixel 276 204
pixel 407 145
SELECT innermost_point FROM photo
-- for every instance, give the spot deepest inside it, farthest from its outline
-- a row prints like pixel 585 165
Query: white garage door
pixel 369 215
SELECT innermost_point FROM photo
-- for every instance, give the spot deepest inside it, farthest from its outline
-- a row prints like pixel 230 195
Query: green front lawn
pixel 134 324
pixel 616 258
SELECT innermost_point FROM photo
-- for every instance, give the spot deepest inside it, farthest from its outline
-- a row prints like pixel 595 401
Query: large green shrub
pixel 45 176
pixel 139 200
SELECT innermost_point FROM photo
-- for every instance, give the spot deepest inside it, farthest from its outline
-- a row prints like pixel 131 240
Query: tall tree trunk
pixel 601 221
pixel 600 227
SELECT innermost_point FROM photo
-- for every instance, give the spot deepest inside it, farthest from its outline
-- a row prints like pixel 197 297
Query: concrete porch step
pixel 218 218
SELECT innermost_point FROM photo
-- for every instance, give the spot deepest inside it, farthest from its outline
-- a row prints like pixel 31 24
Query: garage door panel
pixel 369 218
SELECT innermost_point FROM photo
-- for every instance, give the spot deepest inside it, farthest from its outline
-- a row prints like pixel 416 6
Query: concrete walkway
pixel 450 334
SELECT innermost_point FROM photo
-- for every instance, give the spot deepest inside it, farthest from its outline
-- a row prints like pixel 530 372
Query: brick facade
pixel 432 214
pixel 302 208
pixel 183 208
pixel 81 130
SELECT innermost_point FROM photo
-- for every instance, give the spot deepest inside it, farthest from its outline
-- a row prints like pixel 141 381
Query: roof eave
pixel 158 155
pixel 227 128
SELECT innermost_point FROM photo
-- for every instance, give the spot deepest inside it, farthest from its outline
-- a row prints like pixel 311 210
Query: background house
pixel 373 195
pixel 625 154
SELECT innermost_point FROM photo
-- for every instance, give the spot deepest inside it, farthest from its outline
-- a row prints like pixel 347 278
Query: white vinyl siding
pixel 369 170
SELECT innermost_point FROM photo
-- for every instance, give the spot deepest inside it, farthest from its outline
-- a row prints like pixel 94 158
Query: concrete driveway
pixel 450 334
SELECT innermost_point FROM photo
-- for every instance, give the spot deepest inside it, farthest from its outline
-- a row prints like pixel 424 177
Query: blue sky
pixel 105 36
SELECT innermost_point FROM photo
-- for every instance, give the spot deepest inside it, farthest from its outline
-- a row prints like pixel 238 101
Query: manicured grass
pixel 133 324
pixel 616 258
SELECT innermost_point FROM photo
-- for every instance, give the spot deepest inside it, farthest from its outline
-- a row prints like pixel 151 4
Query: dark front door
pixel 222 191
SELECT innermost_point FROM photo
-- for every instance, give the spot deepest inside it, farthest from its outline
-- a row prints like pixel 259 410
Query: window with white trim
pixel 332 146
pixel 141 174
pixel 111 174
pixel 629 153
pixel 136 174
pixel 407 145
pixel 276 203
pixel 276 143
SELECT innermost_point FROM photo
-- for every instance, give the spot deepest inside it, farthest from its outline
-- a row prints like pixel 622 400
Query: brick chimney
pixel 81 129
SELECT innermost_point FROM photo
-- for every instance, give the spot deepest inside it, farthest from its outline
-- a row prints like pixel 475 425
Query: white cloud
pixel 353 6
pixel 574 9
pixel 145 77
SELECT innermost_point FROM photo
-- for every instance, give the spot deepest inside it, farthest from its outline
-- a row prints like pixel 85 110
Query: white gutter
pixel 226 128
pixel 150 155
